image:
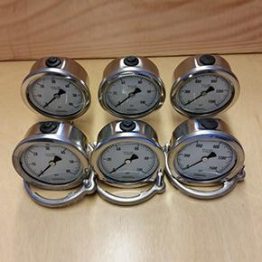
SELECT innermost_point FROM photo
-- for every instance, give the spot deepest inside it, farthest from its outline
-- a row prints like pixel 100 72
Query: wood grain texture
pixel 31 29
pixel 170 227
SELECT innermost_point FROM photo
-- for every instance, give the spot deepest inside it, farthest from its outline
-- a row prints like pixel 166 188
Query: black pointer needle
pixel 51 163
pixel 56 159
pixel 204 158
pixel 55 96
pixel 131 94
pixel 127 161
pixel 203 93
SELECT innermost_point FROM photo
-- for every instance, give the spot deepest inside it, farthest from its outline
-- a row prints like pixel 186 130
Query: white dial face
pixel 128 162
pixel 56 95
pixel 204 93
pixel 51 163
pixel 205 160
pixel 131 95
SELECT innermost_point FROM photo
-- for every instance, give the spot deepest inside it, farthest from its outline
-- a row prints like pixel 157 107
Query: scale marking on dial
pixel 128 162
pixel 51 163
pixel 205 159
pixel 56 95
pixel 204 93
pixel 132 95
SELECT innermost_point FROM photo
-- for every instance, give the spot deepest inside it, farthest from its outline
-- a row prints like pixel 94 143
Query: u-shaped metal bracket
pixel 88 187
pixel 157 188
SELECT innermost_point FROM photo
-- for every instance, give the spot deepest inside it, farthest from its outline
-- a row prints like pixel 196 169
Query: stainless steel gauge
pixel 54 155
pixel 201 153
pixel 57 87
pixel 203 85
pixel 131 87
pixel 127 155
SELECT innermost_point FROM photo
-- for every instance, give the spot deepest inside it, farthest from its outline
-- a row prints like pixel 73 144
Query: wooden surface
pixel 100 28
pixel 169 227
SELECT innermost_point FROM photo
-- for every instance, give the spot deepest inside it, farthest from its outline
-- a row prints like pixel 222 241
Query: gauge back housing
pixel 137 67
pixel 61 67
pixel 192 67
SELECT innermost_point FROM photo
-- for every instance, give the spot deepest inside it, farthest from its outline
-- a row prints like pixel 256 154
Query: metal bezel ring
pixel 24 144
pixel 80 84
pixel 153 145
pixel 205 134
pixel 105 84
pixel 212 70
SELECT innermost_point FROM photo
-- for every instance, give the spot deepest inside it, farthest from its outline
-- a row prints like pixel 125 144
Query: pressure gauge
pixel 131 87
pixel 204 85
pixel 127 155
pixel 57 87
pixel 54 155
pixel 201 153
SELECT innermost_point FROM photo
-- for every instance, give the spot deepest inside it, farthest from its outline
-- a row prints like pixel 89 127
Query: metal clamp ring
pixel 88 187
pixel 157 188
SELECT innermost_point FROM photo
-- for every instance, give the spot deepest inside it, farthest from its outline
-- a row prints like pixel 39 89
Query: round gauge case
pixel 203 85
pixel 57 87
pixel 215 157
pixel 53 140
pixel 131 87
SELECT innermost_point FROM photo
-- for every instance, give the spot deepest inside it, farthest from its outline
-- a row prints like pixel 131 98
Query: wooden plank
pixel 31 29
